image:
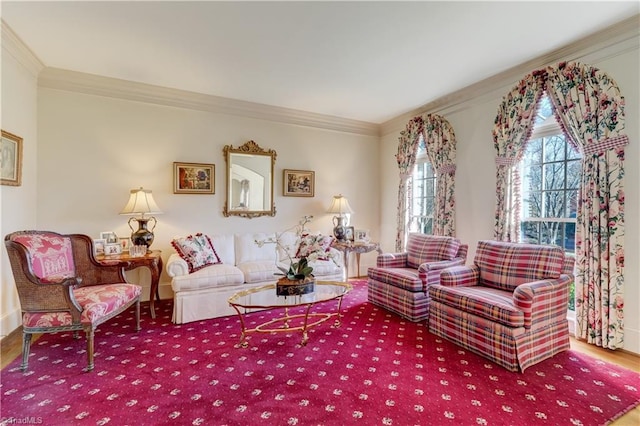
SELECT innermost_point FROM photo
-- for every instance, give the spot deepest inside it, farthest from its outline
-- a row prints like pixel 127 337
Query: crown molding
pixel 55 78
pixel 14 46
pixel 609 42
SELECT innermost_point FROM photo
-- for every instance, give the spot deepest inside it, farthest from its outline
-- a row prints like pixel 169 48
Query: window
pixel 550 170
pixel 424 193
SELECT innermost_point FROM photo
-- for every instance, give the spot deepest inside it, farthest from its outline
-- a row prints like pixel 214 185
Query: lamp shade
pixel 141 202
pixel 340 205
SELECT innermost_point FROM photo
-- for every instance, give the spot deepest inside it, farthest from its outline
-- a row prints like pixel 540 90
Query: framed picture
pixel 110 237
pixel 348 233
pixel 194 178
pixel 11 159
pixel 112 248
pixel 98 246
pixel 299 183
pixel 125 243
pixel 361 236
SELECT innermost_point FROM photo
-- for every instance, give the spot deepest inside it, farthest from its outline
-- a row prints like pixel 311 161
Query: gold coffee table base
pixel 265 298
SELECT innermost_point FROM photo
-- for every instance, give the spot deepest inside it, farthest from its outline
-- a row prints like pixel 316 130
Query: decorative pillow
pixel 318 245
pixel 197 250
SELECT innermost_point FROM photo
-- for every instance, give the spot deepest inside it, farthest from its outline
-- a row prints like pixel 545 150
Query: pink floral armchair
pixel 63 288
pixel 400 281
pixel 509 306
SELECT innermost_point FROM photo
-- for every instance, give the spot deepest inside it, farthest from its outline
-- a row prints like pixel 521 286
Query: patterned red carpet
pixel 376 369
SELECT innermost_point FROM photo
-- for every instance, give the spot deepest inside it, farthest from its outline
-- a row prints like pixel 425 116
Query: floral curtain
pixel 513 127
pixel 407 150
pixel 440 142
pixel 590 108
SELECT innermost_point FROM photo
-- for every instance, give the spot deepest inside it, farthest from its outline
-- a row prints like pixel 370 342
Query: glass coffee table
pixel 264 297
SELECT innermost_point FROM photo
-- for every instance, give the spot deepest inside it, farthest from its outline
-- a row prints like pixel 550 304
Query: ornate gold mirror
pixel 249 181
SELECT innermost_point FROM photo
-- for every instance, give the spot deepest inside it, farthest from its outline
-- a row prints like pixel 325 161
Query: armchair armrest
pixel 543 299
pixel 392 260
pixel 177 266
pixel 460 276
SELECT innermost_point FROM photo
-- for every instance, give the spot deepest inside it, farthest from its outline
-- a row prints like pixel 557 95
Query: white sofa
pixel 203 294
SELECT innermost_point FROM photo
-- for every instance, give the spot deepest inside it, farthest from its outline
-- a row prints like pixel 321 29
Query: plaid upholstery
pixel 397 285
pixel 422 248
pixel 516 321
pixel 506 265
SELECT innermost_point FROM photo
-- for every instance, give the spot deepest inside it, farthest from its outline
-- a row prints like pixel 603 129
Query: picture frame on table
pixel 98 245
pixel 299 183
pixel 112 249
pixel 125 243
pixel 194 178
pixel 361 236
pixel 10 159
pixel 109 236
pixel 349 233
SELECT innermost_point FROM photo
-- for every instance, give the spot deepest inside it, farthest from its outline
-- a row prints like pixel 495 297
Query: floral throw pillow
pixel 314 246
pixel 197 250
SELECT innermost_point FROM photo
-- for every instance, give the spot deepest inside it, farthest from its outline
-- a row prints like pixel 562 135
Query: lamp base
pixel 339 230
pixel 142 236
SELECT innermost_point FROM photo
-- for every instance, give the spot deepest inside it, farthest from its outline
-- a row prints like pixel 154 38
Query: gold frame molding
pixel 252 149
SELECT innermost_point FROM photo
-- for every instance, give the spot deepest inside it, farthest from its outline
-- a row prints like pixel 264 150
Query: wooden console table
pixel 152 260
pixel 358 249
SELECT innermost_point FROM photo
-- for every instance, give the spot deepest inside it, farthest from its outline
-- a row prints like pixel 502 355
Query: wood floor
pixel 11 347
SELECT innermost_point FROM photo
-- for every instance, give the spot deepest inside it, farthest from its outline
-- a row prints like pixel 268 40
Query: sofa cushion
pixel 259 270
pixel 404 278
pixel 217 275
pixel 507 265
pixel 490 303
pixel 51 255
pixel 248 251
pixel 314 244
pixel 197 250
pixel 422 248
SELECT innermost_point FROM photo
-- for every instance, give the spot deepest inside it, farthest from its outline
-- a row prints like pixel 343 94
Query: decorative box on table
pixel 287 287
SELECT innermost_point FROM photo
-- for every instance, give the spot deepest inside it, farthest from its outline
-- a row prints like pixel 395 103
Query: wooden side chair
pixel 62 287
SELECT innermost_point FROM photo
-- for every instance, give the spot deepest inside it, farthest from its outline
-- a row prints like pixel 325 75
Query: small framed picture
pixel 112 248
pixel 348 233
pixel 299 183
pixel 11 159
pixel 361 236
pixel 98 245
pixel 109 236
pixel 125 243
pixel 194 178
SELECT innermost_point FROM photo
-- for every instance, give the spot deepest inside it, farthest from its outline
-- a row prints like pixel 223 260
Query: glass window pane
pixel 572 153
pixel 532 204
pixel 570 237
pixel 551 233
pixel 554 176
pixel 572 204
pixel 530 232
pixel 574 174
pixel 544 110
pixel 533 153
pixel 532 178
pixel 554 204
pixel 554 147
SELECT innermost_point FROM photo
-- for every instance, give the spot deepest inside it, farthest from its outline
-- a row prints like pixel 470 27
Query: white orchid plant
pixel 313 247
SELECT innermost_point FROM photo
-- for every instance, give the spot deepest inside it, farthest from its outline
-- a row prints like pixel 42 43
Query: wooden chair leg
pixel 138 315
pixel 26 347
pixel 90 334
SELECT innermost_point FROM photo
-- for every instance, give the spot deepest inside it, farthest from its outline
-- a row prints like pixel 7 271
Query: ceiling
pixel 367 61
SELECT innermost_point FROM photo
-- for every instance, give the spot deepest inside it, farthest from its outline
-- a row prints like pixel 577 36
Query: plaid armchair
pixel 509 306
pixel 63 288
pixel 400 281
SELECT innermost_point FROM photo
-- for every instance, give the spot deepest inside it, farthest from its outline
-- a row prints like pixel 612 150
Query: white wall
pixel 94 149
pixel 475 175
pixel 17 203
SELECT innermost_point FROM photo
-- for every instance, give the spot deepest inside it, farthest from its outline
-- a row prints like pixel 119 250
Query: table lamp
pixel 341 207
pixel 140 203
